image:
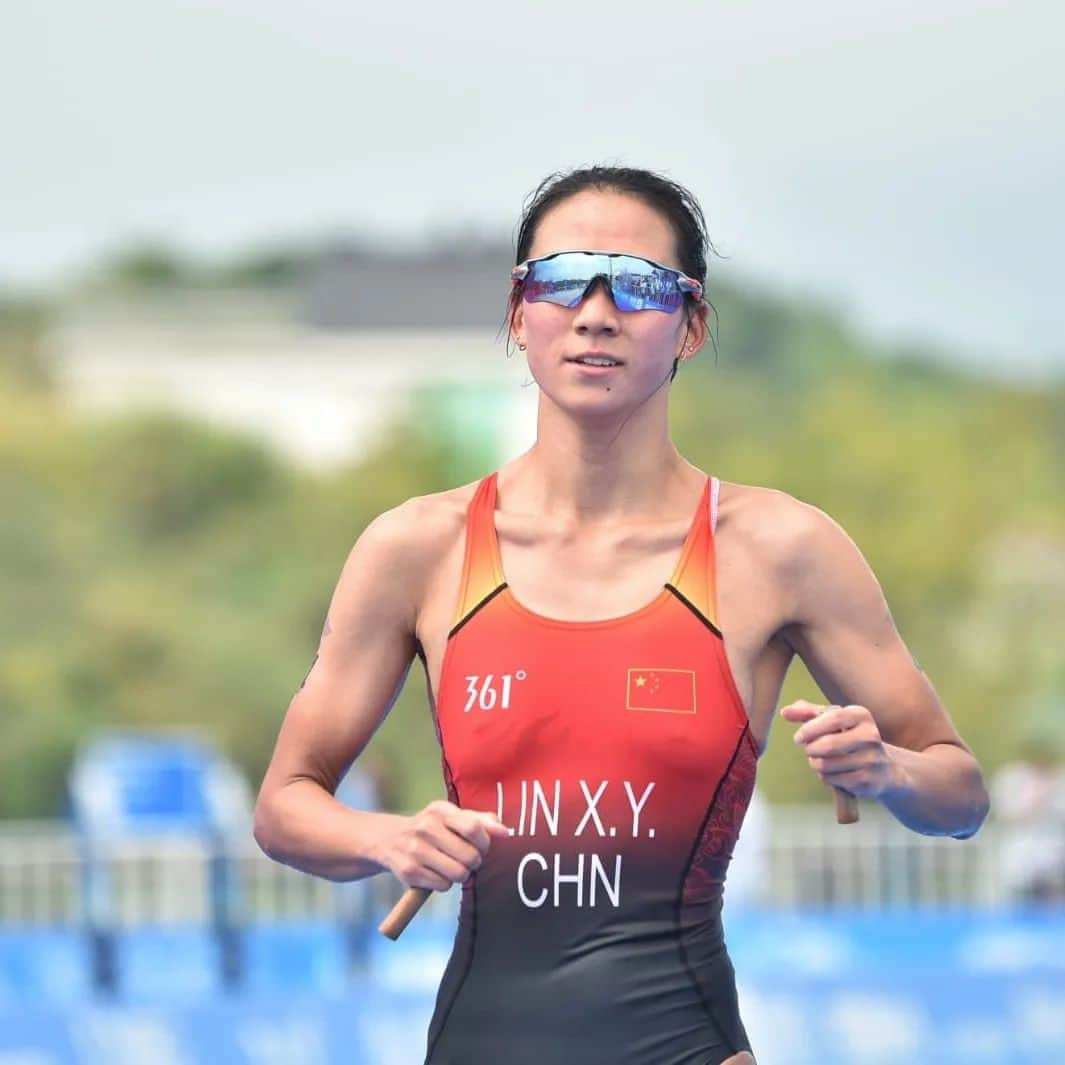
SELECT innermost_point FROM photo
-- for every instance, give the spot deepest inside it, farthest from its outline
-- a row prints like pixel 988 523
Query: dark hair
pixel 672 200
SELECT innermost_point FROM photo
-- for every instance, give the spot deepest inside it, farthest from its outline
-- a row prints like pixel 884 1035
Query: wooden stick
pixel 846 807
pixel 403 912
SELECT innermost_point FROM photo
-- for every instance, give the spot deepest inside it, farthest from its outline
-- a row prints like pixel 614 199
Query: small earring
pixel 691 347
pixel 521 347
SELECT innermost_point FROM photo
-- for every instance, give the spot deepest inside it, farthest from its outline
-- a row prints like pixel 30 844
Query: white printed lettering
pixel 591 812
pixel 570 878
pixel 550 812
pixel 487 690
pixel 471 689
pixel 637 806
pixel 487 695
pixel 613 889
pixel 524 800
pixel 542 897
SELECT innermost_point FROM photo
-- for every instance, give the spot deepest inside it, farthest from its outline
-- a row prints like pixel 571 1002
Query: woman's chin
pixel 588 402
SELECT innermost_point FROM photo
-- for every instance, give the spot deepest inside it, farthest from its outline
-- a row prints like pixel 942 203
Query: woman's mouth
pixel 595 363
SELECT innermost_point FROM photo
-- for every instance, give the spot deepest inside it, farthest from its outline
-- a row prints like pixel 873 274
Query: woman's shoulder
pixel 395 557
pixel 419 530
pixel 778 527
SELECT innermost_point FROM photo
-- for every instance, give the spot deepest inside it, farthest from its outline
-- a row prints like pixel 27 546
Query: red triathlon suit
pixel 618 752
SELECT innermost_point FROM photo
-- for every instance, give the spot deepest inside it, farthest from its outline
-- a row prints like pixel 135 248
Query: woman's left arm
pixel 886 735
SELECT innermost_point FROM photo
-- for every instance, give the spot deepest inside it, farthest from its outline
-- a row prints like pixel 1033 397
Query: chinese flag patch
pixel 669 691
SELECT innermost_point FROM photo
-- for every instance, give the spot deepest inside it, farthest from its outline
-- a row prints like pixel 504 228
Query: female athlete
pixel 605 630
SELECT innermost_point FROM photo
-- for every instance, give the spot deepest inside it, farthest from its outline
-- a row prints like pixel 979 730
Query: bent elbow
pixel 264 829
pixel 981 807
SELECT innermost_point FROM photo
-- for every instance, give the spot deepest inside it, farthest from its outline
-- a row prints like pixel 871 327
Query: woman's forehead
pixel 604 220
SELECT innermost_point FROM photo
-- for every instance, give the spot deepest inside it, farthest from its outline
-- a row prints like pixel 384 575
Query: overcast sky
pixel 904 159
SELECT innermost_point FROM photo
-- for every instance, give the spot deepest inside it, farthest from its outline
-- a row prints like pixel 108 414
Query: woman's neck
pixel 579 473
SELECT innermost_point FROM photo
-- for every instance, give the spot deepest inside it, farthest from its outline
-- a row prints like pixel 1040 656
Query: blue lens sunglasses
pixel 636 284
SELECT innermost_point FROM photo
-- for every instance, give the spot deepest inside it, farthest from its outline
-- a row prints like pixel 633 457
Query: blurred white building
pixel 318 369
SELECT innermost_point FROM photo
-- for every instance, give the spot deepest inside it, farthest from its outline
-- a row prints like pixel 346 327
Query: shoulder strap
pixel 482 574
pixel 711 566
pixel 694 579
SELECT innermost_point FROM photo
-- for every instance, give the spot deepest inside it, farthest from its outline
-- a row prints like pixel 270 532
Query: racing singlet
pixel 618 753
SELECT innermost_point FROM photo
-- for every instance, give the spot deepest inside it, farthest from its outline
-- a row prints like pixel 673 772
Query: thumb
pixel 492 823
pixel 800 710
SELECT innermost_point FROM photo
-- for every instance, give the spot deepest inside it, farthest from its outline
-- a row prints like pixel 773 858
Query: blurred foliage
pixel 149 265
pixel 24 365
pixel 155 265
pixel 158 571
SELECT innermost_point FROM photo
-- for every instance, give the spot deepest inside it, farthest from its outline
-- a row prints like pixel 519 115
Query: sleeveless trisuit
pixel 618 752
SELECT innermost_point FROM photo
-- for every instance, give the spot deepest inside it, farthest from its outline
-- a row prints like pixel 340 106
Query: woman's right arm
pixel 365 651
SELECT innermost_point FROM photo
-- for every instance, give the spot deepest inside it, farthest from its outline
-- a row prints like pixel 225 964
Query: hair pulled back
pixel 672 200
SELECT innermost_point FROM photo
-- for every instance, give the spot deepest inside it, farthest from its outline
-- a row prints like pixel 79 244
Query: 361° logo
pixel 489 691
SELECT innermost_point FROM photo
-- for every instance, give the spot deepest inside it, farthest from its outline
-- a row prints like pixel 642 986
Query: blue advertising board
pixel 960 988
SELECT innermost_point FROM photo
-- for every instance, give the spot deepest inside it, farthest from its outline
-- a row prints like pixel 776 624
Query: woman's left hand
pixel 844 747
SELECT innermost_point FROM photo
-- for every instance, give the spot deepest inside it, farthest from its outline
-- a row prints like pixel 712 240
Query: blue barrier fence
pixel 961 988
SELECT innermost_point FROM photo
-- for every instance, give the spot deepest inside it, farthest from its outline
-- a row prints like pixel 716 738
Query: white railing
pixel 803 859
pixel 811 860
pixel 39 873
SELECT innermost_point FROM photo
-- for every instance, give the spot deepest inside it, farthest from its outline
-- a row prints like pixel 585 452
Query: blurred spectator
pixel 1028 802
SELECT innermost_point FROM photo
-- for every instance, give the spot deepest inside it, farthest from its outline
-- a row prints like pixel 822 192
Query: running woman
pixel 605 630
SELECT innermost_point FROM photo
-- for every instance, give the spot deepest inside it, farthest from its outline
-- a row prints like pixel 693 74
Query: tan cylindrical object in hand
pixel 403 912
pixel 846 807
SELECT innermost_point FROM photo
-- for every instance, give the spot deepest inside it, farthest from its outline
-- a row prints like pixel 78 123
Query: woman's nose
pixel 597 310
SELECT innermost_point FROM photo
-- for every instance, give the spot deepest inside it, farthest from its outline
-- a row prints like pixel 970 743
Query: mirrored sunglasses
pixel 636 284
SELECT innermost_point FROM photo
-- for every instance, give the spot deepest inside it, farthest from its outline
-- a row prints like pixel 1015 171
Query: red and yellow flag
pixel 670 691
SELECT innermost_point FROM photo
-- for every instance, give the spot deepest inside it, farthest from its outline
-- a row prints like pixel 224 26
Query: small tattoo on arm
pixel 326 630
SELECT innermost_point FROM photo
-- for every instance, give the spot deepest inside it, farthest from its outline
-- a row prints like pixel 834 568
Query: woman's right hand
pixel 439 846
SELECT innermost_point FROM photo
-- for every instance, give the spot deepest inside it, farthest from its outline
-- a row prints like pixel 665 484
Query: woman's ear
pixel 517 323
pixel 696 332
